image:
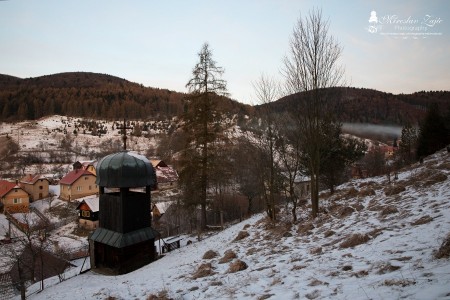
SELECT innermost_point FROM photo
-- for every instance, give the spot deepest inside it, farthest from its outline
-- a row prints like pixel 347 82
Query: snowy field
pixel 376 241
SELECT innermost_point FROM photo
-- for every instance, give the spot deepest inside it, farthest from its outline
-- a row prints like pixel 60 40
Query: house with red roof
pixel 166 176
pixel 77 184
pixel 36 185
pixel 13 198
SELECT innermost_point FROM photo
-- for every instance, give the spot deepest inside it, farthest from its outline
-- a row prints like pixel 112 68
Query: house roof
pixel 32 178
pixel 158 163
pixel 72 176
pixel 6 186
pixel 166 174
pixel 92 202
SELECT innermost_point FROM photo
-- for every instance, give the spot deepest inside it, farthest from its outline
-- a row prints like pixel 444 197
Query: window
pixel 85 178
pixel 17 200
pixel 79 188
pixel 85 213
pixel 41 187
pixel 90 187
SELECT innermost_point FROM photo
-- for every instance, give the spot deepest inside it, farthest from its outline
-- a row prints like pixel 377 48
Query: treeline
pixel 90 95
pixel 359 105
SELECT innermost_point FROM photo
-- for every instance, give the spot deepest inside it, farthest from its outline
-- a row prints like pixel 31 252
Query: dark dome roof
pixel 125 169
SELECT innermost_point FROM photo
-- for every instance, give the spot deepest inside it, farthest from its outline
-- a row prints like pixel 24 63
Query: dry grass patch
pixel 241 235
pixel 305 229
pixel 387 268
pixel 228 256
pixel 361 273
pixel 435 178
pixel 329 233
pixel 316 251
pixel 346 211
pixel 298 267
pixel 423 220
pixel 163 295
pixel 251 251
pixel 236 266
pixel 210 254
pixel 355 240
pixel 444 250
pixel 399 282
pixel 366 192
pixel 347 268
pixel 351 193
pixel 203 270
pixel 388 210
pixel 394 189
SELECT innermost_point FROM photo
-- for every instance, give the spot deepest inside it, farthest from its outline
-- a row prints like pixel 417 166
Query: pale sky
pixel 156 42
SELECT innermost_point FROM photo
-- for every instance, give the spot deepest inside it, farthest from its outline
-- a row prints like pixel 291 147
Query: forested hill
pixel 90 95
pixel 93 95
pixel 358 105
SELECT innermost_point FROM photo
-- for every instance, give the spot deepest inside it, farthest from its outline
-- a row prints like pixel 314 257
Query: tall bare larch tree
pixel 203 127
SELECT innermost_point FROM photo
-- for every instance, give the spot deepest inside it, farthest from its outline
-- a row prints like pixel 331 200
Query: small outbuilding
pixel 88 212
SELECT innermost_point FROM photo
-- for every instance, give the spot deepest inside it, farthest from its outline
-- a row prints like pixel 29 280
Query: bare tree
pixel 267 91
pixel 311 66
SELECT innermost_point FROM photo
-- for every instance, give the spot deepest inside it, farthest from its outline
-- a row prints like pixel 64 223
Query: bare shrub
pixel 228 256
pixel 444 250
pixel 422 220
pixel 241 235
pixel 236 266
pixel 210 254
pixel 246 226
pixel 394 190
pixel 203 270
pixel 387 210
pixel 355 240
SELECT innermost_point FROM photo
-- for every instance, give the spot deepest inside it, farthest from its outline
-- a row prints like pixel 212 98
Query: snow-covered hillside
pixel 373 240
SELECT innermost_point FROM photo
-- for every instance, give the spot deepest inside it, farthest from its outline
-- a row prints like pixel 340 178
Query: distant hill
pixel 90 95
pixel 358 105
pixel 93 95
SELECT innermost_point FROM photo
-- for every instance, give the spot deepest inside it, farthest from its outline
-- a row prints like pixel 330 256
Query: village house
pixel 35 185
pixel 88 213
pixel 302 186
pixel 76 184
pixel 166 176
pixel 88 165
pixel 13 198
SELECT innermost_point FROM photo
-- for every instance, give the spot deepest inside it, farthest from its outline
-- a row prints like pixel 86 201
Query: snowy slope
pixel 400 225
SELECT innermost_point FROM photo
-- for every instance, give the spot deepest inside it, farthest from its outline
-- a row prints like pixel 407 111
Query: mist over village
pixel 240 150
